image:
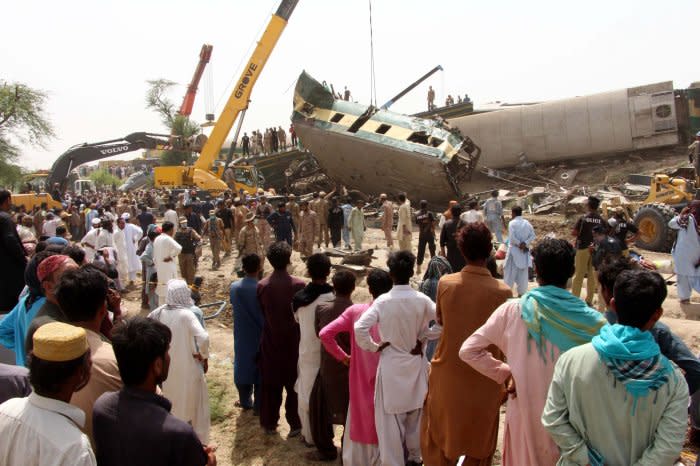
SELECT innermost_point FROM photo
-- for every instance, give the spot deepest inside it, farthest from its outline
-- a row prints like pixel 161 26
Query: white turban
pixel 126 215
pixel 179 294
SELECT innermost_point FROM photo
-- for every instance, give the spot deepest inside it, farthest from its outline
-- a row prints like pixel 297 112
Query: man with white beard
pixel 132 236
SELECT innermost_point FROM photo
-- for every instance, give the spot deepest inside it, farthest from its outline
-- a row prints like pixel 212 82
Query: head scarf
pixel 554 315
pixel 179 294
pixel 437 267
pixel 634 358
pixel 50 265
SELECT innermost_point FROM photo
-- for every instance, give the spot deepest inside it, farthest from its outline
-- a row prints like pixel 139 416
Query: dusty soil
pixel 238 435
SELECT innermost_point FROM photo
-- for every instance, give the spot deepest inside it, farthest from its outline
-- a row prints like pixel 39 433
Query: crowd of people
pixel 414 376
pixel 269 141
pixel 449 100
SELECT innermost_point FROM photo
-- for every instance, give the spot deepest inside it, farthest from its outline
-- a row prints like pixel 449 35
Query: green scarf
pixel 555 315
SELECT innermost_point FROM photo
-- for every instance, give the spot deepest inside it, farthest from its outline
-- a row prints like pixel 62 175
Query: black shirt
pixel 145 219
pixel 335 217
pixel 608 248
pixel 448 240
pixel 136 428
pixel 425 221
pixel 194 222
pixel 621 230
pixel 226 216
pixel 584 227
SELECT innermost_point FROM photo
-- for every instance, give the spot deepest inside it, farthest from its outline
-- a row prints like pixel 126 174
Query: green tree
pixel 179 125
pixel 23 120
pixel 102 178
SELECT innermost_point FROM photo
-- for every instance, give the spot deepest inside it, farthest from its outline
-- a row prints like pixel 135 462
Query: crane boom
pixel 188 100
pixel 238 101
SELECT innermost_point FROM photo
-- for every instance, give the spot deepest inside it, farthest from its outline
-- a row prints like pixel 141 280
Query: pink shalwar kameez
pixel 525 442
pixel 363 372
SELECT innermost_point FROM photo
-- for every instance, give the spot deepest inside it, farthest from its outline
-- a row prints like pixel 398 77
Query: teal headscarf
pixel 555 315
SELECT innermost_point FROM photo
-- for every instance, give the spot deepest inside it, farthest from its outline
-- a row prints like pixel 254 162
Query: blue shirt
pixel 13 327
pixel 247 330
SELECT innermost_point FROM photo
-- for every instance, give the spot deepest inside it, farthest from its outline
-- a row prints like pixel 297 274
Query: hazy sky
pixel 93 57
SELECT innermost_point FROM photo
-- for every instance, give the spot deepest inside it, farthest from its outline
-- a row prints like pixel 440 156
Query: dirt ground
pixel 238 435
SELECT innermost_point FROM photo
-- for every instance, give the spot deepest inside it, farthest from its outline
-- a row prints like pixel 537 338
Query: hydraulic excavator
pixel 205 174
pixel 58 177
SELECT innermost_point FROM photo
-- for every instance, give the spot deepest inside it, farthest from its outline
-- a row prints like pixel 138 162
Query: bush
pixel 102 178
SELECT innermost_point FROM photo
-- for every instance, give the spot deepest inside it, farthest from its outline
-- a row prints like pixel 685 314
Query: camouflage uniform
pixel 308 224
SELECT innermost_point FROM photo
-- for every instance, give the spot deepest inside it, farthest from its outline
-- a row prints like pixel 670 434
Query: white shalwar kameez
pixel 515 269
pixel 122 258
pixel 89 243
pixel 165 247
pixel 686 254
pixel 403 315
pixel 186 385
pixel 132 235
pixel 309 361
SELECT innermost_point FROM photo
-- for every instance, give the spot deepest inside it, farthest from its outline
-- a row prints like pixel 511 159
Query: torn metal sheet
pixel 378 151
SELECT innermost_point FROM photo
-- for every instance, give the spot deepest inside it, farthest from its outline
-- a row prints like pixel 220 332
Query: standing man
pixel 472 215
pixel 188 239
pixel 596 392
pixel 304 305
pixel 583 232
pixel 82 295
pixel 448 240
pixel 493 208
pixel 245 144
pixel 247 331
pixel 282 223
pixel 134 426
pixel 214 228
pixel 336 221
pixel 404 229
pixel 347 210
pixel 330 394
pixel 293 208
pixel 240 212
pixel 356 224
pixel 549 320
pixel 518 260
pixel 686 251
pixel 293 135
pixel 307 229
pixel 224 213
pixel 145 218
pixel 132 236
pixel 360 434
pixel 12 252
pixel 431 98
pixel 261 213
pixel 282 138
pixel 165 250
pixel 387 220
pixel 321 209
pixel 170 215
pixel 43 429
pixel 448 430
pixel 279 347
pixel 193 218
pixel 426 233
pixel 622 228
pixel 403 316
pixel 249 240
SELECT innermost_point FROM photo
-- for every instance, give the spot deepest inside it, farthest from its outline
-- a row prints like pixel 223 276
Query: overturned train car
pixel 374 150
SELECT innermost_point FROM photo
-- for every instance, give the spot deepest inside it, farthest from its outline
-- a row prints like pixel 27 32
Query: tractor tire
pixel 654 232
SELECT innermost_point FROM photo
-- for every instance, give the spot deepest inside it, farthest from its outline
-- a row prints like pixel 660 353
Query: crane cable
pixel 373 80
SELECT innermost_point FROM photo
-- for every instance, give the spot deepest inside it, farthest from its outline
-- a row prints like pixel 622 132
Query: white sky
pixel 93 57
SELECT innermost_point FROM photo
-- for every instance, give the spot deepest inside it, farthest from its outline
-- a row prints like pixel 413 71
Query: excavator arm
pixel 84 153
pixel 202 173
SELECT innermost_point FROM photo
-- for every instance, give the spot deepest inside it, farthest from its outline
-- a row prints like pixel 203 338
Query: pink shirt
pixel 525 441
pixel 363 372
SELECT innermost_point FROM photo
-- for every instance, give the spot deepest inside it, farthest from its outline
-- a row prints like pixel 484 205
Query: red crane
pixel 188 101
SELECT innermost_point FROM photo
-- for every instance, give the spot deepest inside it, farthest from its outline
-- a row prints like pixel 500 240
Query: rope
pixel 373 81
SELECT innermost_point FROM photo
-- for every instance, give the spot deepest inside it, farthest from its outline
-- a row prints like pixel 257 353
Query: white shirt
pixel 165 247
pixel 49 228
pixel 471 216
pixel 39 431
pixel 403 315
pixel 171 216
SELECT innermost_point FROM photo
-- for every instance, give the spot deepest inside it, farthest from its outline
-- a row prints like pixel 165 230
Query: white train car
pixel 620 121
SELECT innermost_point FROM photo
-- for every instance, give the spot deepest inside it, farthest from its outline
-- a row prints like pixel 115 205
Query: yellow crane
pixel 203 174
